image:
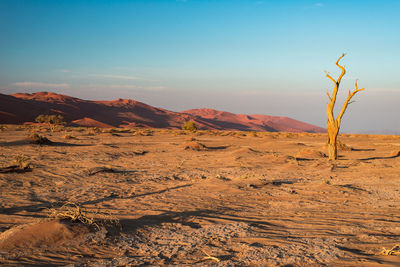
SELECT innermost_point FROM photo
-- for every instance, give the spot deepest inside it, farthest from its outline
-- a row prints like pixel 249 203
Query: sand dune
pixel 23 107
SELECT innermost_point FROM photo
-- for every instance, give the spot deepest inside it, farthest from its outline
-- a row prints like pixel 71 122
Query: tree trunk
pixel 332 144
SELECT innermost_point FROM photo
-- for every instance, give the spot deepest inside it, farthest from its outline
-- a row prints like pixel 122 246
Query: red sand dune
pixel 23 107
pixel 233 121
pixel 88 122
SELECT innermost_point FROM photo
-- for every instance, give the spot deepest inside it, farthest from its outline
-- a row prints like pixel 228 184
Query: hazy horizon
pixel 248 57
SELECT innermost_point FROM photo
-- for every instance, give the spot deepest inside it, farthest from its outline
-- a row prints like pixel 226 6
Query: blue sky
pixel 265 57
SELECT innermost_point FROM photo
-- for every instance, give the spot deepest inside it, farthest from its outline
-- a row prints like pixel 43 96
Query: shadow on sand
pixel 46 204
pixel 27 142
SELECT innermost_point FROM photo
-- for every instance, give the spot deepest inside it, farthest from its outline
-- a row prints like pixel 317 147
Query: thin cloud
pixel 118 77
pixel 315 5
pixel 122 87
pixel 110 86
pixel 41 85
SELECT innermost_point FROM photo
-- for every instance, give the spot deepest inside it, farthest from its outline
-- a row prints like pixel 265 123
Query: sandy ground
pixel 255 199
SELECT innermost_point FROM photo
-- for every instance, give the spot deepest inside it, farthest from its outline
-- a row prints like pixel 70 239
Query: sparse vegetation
pixel 73 212
pixel 51 119
pixel 21 161
pixel 395 250
pixel 54 121
pixel 144 132
pixel 333 124
pixel 69 136
pixel 19 164
pixel 195 145
pixel 35 138
pixel 189 126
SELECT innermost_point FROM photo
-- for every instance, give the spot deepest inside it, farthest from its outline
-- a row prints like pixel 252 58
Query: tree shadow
pixel 388 157
pixel 104 169
pixel 186 218
pixel 27 142
pixel 47 205
pixel 14 169
pixel 217 147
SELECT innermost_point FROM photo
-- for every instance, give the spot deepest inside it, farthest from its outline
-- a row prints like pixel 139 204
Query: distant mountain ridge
pixel 25 107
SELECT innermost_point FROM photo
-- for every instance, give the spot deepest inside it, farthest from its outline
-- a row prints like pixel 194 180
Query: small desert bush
pixel 144 132
pixel 342 146
pixel 55 122
pixel 290 135
pixel 75 213
pixel 57 128
pixel 35 138
pixel 189 126
pixel 51 119
pixel 72 212
pixel 93 131
pixel 69 136
pixel 21 161
pixel 194 145
pixel 240 134
pixel 310 154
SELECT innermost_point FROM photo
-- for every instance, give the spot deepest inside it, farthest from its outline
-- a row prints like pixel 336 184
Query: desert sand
pixel 170 197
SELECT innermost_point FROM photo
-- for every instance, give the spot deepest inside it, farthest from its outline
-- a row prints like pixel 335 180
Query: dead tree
pixel 333 124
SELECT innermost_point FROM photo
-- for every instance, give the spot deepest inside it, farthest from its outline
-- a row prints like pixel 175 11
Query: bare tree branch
pixel 333 124
pixel 327 92
pixel 346 103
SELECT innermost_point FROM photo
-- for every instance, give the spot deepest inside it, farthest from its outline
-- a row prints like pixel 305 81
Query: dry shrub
pixel 106 130
pixel 143 132
pixel 395 154
pixel 343 147
pixel 93 131
pixel 189 126
pixel 395 250
pixel 289 135
pixel 58 128
pixel 35 138
pixel 69 136
pixel 238 134
pixel 194 145
pixel 21 162
pixel 310 154
pixel 72 212
pixel 75 213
